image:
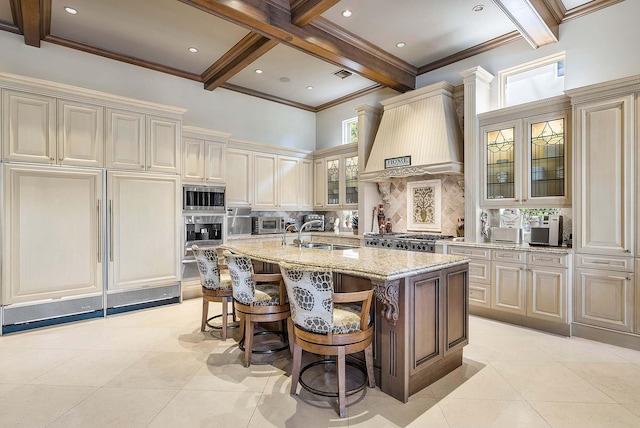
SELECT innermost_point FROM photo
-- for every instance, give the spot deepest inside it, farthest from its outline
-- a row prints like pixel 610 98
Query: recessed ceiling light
pixel 478 8
pixel 258 71
pixel 70 10
pixel 346 13
pixel 309 87
pixel 193 50
pixel 401 44
pixel 285 79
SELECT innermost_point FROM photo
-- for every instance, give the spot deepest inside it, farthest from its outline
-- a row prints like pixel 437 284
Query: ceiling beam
pixel 29 16
pixel 305 11
pixel 534 19
pixel 247 50
pixel 274 22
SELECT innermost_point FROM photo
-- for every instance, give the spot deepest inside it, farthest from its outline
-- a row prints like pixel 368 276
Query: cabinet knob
pixel 627 251
pixel 52 159
pixel 524 200
pixel 141 166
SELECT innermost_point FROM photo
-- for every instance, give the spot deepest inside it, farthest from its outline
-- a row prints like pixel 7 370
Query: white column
pixel 477 99
pixel 368 196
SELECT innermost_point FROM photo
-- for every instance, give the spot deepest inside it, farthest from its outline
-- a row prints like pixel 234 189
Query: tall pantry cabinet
pixel 605 210
pixel 90 203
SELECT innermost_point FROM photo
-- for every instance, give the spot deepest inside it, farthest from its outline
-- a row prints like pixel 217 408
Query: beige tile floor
pixel 154 368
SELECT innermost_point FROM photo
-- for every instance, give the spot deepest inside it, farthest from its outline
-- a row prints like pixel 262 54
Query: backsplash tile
pixel 394 199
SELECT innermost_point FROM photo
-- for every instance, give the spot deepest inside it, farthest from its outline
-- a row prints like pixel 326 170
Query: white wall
pixel 245 117
pixel 329 121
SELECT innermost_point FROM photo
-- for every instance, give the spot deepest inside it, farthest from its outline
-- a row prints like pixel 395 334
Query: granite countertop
pixel 289 234
pixel 508 246
pixel 374 263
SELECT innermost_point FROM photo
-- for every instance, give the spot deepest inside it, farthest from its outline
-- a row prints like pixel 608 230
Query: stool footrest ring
pixel 266 351
pixel 219 327
pixel 331 393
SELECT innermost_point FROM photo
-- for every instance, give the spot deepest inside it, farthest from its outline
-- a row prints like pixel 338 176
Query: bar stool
pixel 216 287
pixel 327 323
pixel 258 298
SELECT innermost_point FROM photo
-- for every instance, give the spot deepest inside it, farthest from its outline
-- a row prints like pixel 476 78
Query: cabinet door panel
pixel 508 292
pixel 193 161
pixel 479 294
pixel 214 162
pixel 163 151
pixel 57 256
pixel 306 184
pixel 318 184
pixel 603 177
pixel 125 140
pixel 547 290
pixel 239 177
pixel 28 127
pixel 144 234
pixel 426 327
pixel 80 134
pixel 605 299
pixel 264 182
pixel 288 182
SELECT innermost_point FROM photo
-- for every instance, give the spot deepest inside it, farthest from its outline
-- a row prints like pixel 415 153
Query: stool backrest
pixel 310 297
pixel 241 270
pixel 207 261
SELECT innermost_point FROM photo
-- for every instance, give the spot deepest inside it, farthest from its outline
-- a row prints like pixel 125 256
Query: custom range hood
pixel 419 134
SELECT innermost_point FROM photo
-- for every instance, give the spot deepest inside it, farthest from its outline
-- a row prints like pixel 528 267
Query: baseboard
pixel 612 337
pixel 524 321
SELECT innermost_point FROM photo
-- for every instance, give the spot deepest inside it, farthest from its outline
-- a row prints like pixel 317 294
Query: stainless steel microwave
pixel 262 225
pixel 548 232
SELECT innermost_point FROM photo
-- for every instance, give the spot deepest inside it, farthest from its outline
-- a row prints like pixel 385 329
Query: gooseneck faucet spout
pixel 305 225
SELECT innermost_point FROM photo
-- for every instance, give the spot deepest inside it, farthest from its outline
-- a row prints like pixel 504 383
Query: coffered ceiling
pixel 298 45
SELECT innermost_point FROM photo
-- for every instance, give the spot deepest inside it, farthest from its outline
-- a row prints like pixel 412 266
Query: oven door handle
pixel 188 261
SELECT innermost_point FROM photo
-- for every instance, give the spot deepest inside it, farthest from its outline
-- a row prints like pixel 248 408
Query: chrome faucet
pixel 284 233
pixel 309 223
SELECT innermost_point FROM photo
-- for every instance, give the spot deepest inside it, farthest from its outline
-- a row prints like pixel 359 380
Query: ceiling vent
pixel 342 73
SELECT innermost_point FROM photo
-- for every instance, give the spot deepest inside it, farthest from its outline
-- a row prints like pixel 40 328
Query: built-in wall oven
pixel 203 217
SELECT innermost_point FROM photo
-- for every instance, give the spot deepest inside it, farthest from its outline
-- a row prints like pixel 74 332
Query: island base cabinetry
pixel 425 342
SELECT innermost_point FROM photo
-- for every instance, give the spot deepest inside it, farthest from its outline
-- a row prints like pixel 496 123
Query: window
pixel 350 130
pixel 535 80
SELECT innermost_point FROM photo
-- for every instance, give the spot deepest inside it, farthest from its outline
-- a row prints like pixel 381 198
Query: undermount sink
pixel 321 246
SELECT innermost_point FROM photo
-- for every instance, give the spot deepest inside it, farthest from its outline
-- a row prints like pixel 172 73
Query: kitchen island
pixel 421 312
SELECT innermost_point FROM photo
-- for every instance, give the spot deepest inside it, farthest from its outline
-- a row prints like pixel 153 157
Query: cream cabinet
pixel 136 141
pixel 336 179
pixel 203 156
pixel 276 181
pixel 603 212
pixel 508 285
pixel 80 134
pixel 306 188
pixel 605 299
pixel 144 230
pixel 239 177
pixel 29 127
pixel 547 287
pixel 526 155
pixel 52 237
pixel 479 273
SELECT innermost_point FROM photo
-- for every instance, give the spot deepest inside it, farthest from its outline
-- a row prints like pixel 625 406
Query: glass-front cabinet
pixel 336 177
pixel 525 158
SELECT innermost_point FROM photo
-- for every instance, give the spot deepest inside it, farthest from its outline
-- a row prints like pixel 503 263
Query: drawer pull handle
pixel 601 262
pixel 545 259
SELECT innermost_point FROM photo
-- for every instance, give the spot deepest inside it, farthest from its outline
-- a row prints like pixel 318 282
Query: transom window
pixel 535 80
pixel 350 130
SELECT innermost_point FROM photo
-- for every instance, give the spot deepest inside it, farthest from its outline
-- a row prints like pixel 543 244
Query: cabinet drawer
pixel 509 256
pixel 624 264
pixel 480 253
pixel 480 271
pixel 479 294
pixel 548 259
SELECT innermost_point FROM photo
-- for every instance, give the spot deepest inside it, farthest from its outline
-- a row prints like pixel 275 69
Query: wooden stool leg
pixel 295 370
pixel 368 356
pixel 205 312
pixel 341 381
pixel 233 311
pixel 224 318
pixel 248 340
pixel 290 334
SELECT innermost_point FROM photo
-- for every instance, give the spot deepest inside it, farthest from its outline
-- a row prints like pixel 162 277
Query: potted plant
pixel 354 224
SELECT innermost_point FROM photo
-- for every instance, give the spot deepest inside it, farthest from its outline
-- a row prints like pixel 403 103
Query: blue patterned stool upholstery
pixel 327 323
pixel 216 286
pixel 257 298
